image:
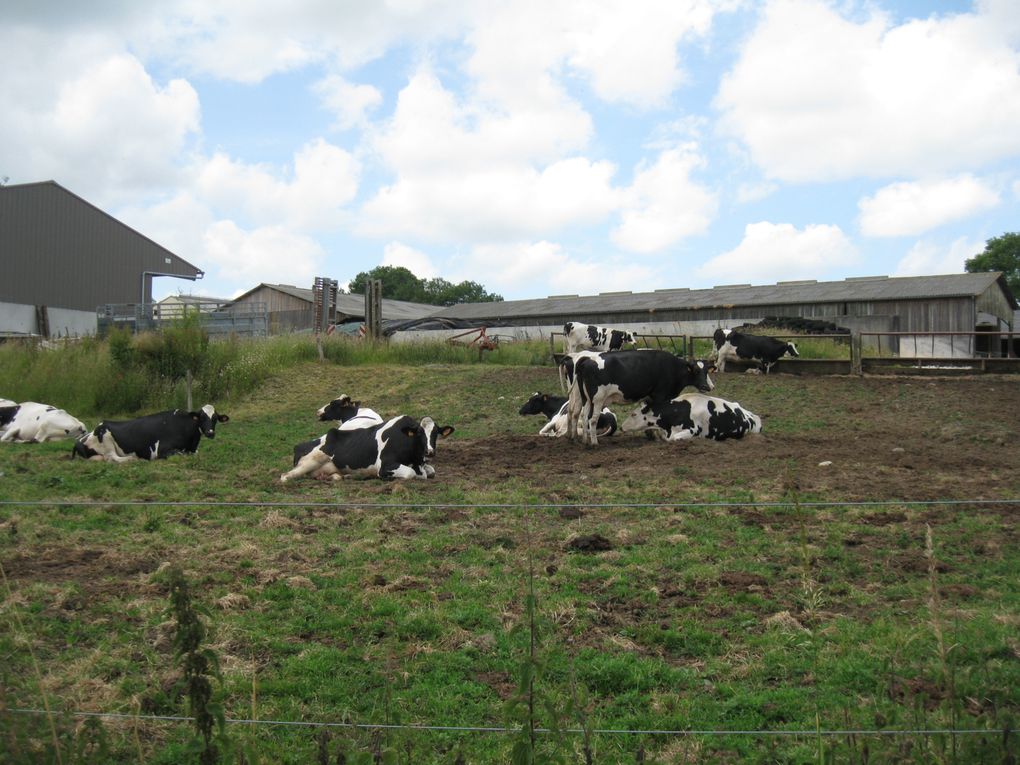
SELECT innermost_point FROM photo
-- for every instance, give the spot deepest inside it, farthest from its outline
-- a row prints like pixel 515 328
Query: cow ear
pixel 408 431
pixel 445 431
pixel 196 416
pixel 222 417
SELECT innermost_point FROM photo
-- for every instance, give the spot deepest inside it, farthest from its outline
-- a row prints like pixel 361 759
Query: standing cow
pixel 581 337
pixel 153 437
pixel 736 346
pixel 693 415
pixel 629 376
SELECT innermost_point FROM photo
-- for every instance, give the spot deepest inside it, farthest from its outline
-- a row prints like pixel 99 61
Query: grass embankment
pixel 408 602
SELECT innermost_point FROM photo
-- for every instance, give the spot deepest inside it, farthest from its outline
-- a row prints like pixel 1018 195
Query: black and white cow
pixel 153 437
pixel 736 346
pixel 693 415
pixel 628 376
pixel 555 410
pixel 33 422
pixel 349 413
pixel 398 448
pixel 581 337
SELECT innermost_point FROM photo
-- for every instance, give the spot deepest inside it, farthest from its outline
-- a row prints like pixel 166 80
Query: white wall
pixel 19 319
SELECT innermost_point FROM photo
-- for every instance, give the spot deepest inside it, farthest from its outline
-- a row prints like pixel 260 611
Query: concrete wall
pixel 20 319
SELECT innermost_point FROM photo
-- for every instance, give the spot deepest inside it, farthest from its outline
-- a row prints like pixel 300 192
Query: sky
pixel 537 147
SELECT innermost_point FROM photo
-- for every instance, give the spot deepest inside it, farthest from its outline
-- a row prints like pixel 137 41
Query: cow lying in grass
pixel 398 448
pixel 30 422
pixel 153 437
pixel 555 410
pixel 693 415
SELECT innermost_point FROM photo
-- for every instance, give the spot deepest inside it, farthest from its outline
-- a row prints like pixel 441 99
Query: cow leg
pixel 310 463
pixel 400 471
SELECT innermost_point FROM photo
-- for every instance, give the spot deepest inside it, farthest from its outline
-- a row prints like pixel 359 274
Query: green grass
pixel 359 607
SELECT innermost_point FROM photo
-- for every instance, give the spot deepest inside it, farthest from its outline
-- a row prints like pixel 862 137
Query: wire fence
pixel 1004 733
pixel 503 729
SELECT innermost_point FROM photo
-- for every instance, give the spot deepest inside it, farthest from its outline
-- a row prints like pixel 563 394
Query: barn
pixel 63 256
pixel 941 304
pixel 291 308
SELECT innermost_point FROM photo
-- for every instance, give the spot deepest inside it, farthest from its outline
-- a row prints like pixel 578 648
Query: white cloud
pixel 663 205
pixel 818 97
pixel 415 261
pixel 929 258
pixel 754 192
pixel 348 101
pixel 628 50
pixel 96 128
pixel 323 180
pixel 771 252
pixel 465 172
pixel 902 209
pixel 534 268
pixel 270 254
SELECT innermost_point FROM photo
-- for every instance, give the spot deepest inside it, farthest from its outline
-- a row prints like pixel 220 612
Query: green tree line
pixel 400 284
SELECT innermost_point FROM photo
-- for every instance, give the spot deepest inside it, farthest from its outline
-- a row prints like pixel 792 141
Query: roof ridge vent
pixel 796 282
pixel 674 289
pixel 865 278
pixel 729 286
pixel 554 297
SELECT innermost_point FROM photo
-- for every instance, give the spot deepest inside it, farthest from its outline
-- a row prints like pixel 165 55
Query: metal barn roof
pixel 855 289
pixel 354 305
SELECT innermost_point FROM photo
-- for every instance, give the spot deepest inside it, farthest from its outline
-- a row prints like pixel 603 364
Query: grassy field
pixel 638 586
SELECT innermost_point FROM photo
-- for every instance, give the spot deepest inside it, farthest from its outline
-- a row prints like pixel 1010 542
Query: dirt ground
pixel 875 438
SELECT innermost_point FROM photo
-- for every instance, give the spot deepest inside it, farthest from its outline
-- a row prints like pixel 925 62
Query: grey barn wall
pixel 60 251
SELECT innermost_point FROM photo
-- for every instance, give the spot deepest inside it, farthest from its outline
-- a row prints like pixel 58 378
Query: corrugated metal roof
pixel 856 289
pixel 354 305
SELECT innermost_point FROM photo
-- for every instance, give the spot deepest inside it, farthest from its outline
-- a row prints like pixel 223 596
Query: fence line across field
pixel 502 505
pixel 500 729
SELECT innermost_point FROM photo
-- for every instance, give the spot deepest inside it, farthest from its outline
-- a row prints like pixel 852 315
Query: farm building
pixel 946 303
pixel 177 305
pixel 291 308
pixel 63 257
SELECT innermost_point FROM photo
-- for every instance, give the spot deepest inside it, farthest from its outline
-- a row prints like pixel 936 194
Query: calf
pixel 398 448
pixel 736 346
pixel 153 437
pixel 32 422
pixel 555 410
pixel 581 337
pixel 628 376
pixel 693 415
pixel 349 413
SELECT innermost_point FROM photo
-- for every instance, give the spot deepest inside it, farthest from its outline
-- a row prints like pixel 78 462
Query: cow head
pixel 426 434
pixel 83 450
pixel 207 418
pixel 340 409
pixel 792 349
pixel 642 418
pixel 700 370
pixel 720 337
pixel 534 404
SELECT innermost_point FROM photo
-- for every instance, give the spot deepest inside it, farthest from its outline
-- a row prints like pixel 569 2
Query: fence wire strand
pixel 500 729
pixel 500 505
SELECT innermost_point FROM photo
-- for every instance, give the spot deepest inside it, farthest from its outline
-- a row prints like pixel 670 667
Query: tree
pixel 397 283
pixel 439 291
pixel 1002 253
pixel 400 284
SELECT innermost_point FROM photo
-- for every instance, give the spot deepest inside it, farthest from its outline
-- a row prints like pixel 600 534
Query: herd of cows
pixel 596 370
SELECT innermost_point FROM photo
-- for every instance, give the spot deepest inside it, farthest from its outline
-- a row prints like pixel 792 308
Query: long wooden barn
pixel 944 303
